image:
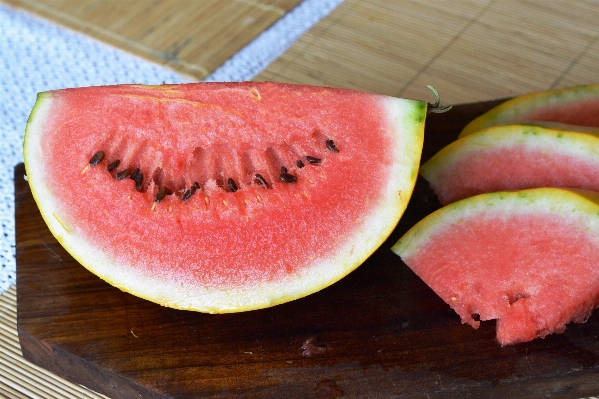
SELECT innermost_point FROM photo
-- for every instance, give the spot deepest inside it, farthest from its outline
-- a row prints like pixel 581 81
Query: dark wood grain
pixel 378 333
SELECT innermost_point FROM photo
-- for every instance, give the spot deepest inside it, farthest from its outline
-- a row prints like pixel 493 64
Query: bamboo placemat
pixel 192 37
pixel 18 377
pixel 469 50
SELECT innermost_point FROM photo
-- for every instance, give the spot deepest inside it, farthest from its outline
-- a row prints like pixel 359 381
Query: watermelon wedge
pixel 222 197
pixel 529 259
pixel 515 157
pixel 577 105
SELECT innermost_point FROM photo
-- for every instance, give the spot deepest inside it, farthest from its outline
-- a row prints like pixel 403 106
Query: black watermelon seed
pixel 123 174
pixel 331 145
pixel 283 169
pixel 188 194
pixel 113 165
pixel 194 187
pixel 287 178
pixel 160 194
pixel 134 174
pixel 261 180
pixel 299 163
pixel 313 159
pixel 97 158
pixel 139 178
pixel 232 185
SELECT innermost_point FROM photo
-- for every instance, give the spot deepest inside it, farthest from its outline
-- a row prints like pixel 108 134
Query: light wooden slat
pixel 22 375
pixel 13 377
pixel 18 377
pixel 10 295
pixel 27 376
pixel 8 303
pixel 374 45
pixel 528 46
pixel 10 393
pixel 17 366
pixel 192 37
pixel 9 345
pixel 469 50
pixel 585 65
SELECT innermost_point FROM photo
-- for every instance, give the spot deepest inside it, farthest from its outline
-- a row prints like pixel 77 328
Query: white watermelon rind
pixel 406 121
pixel 579 144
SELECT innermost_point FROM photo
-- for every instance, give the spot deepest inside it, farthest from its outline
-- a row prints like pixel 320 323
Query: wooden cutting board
pixel 378 333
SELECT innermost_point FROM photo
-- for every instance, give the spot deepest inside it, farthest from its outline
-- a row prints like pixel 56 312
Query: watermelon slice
pixel 529 259
pixel 222 197
pixel 574 106
pixel 515 157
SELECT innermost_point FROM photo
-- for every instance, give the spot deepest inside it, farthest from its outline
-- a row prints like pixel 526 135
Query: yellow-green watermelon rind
pixel 510 111
pixel 407 118
pixel 577 143
pixel 578 203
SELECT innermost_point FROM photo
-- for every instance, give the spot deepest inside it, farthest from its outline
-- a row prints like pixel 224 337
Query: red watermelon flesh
pixel 529 259
pixel 514 157
pixel 577 105
pixel 240 242
pixel 581 113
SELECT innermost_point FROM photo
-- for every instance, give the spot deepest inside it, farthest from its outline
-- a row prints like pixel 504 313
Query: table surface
pixel 469 50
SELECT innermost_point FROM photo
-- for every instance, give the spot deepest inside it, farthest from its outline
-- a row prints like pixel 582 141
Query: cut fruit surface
pixel 529 259
pixel 574 106
pixel 515 157
pixel 222 197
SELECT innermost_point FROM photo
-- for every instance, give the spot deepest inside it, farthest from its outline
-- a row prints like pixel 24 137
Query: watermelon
pixel 515 157
pixel 222 197
pixel 529 259
pixel 577 105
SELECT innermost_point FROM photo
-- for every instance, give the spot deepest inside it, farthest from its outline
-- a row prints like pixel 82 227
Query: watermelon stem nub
pixel 437 108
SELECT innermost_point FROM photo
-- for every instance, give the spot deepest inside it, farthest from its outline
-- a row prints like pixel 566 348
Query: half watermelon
pixel 222 197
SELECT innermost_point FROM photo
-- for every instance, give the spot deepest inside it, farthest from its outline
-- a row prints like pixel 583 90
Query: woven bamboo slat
pixel 192 37
pixel 469 50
